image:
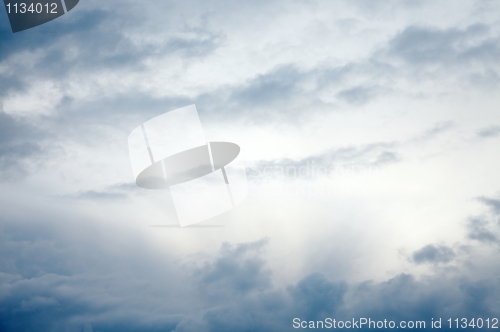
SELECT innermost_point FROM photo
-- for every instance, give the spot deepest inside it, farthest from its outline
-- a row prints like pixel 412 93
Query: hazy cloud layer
pixel 402 95
pixel 80 284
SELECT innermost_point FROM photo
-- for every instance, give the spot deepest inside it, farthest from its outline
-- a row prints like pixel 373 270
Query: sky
pixel 370 132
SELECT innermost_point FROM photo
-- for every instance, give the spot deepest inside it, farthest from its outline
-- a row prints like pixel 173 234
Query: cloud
pixel 99 195
pixel 270 96
pixel 60 276
pixel 486 228
pixel 19 141
pixel 481 230
pixel 275 87
pixel 357 95
pixel 355 159
pixel 59 40
pixel 115 192
pixel 427 45
pixel 56 53
pixel 237 270
pixel 58 273
pixel 406 298
pixel 492 203
pixel 426 53
pixel 433 254
pixel 436 130
pixel 316 297
pixel 489 132
pixel 109 67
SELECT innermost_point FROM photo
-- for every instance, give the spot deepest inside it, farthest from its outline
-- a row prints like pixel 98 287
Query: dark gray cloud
pixel 492 203
pixel 238 270
pixel 57 273
pixel 428 53
pixel 433 254
pixel 114 192
pixel 285 93
pixel 231 292
pixel 10 82
pixel 271 94
pixel 267 97
pixel 112 50
pixel 357 95
pixel 486 228
pixel 436 130
pixel 406 298
pixel 54 39
pixel 19 141
pixel 87 42
pixel 481 230
pixel 489 132
pixel 316 296
pixel 277 95
pixel 60 274
pixel 269 89
pixel 427 45
pixel 358 83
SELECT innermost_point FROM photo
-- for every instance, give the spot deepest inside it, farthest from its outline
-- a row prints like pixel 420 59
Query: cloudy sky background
pixel 398 100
